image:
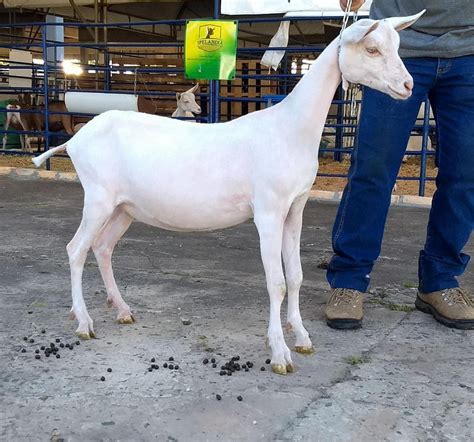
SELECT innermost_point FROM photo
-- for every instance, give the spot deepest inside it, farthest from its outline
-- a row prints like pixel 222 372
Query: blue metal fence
pixel 49 82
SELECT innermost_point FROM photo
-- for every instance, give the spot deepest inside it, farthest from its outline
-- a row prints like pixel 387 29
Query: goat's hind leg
pixel 97 210
pixel 103 248
pixel 294 274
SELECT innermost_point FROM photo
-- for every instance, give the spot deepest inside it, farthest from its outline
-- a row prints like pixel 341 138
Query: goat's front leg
pixel 294 274
pixel 28 143
pixel 7 125
pixel 270 229
pixel 25 141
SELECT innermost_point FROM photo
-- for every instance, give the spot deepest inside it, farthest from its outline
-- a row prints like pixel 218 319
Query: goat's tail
pixel 49 153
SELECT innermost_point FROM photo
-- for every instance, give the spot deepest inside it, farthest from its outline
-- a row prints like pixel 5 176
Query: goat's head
pixel 187 100
pixel 369 55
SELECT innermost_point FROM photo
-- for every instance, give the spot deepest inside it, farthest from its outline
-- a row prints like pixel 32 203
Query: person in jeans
pixel 438 51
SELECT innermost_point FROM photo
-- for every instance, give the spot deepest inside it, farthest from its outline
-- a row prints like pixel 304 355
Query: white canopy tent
pixel 293 8
pixel 55 3
pixel 318 8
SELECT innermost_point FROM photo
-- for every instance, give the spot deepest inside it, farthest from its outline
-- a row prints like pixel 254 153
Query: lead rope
pixel 350 95
pixel 135 87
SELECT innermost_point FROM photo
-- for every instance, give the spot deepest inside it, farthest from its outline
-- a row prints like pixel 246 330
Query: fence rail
pixel 104 67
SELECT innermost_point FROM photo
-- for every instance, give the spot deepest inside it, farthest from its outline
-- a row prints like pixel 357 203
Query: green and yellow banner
pixel 210 49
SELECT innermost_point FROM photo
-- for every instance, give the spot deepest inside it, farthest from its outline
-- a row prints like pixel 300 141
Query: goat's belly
pixel 189 218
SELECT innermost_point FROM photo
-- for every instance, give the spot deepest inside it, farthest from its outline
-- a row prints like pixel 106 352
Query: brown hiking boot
pixel 344 309
pixel 451 307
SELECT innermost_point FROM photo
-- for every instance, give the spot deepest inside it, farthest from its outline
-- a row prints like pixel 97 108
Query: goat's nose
pixel 408 85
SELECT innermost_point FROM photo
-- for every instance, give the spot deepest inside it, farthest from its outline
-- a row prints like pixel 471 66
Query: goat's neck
pixel 182 113
pixel 308 104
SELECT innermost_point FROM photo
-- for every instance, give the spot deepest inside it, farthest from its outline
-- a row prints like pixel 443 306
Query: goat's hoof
pixel 290 368
pixel 304 350
pixel 126 319
pixel 279 368
pixel 85 336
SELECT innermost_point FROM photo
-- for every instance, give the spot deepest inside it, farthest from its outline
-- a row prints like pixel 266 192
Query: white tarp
pixel 55 3
pixel 20 77
pixel 259 7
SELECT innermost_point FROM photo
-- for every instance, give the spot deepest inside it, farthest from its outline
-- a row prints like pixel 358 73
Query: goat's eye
pixel 372 51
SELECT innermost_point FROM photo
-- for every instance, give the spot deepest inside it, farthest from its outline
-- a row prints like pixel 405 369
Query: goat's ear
pixel 178 96
pixel 360 29
pixel 194 88
pixel 400 23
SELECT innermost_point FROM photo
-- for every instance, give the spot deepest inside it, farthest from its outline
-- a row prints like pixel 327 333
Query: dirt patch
pixel 327 166
pixel 24 161
pixel 409 169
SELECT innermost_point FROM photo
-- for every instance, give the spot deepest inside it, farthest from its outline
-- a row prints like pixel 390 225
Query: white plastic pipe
pixel 97 102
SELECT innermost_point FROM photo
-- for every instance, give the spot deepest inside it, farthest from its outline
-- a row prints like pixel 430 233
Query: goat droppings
pixel 218 397
pixel 109 370
pixel 102 378
pixel 239 398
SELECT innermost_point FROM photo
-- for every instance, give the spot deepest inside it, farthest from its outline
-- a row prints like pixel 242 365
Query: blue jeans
pixel 384 131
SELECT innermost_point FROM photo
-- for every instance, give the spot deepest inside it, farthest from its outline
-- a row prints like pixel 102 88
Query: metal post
pixel 106 51
pixel 424 146
pixel 107 72
pixel 46 94
pixel 285 72
pixel 214 84
pixel 339 127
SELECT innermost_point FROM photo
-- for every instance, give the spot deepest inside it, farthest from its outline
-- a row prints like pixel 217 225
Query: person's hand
pixel 356 4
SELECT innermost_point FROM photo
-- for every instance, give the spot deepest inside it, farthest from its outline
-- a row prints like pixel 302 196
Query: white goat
pixel 186 102
pixel 199 177
pixel 19 121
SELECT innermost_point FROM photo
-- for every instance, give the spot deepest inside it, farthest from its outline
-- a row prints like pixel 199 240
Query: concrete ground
pixel 401 377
